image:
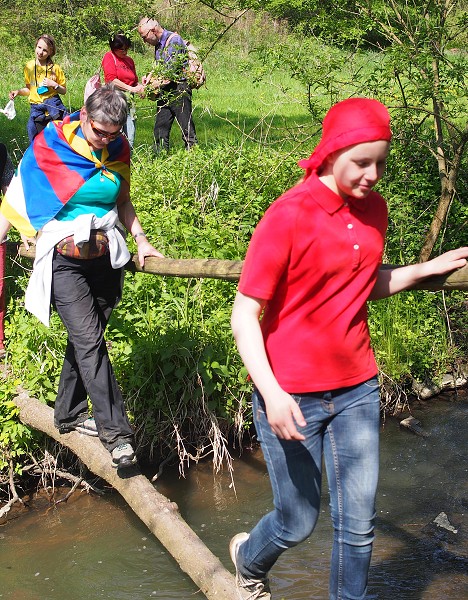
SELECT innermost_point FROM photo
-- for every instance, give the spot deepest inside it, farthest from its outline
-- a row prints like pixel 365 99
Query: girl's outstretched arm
pixel 392 281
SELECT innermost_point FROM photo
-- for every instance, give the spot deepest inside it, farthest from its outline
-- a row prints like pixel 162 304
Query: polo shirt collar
pixel 162 39
pixel 330 201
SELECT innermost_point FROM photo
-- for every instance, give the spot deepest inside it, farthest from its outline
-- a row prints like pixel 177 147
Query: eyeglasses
pixel 110 135
pixel 145 36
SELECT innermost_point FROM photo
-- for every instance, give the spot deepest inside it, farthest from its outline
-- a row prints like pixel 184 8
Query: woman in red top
pixel 312 264
pixel 120 69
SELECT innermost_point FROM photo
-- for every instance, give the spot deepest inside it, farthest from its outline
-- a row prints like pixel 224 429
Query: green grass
pixel 230 108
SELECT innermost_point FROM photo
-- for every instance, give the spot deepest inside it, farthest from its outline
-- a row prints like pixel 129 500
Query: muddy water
pixel 94 547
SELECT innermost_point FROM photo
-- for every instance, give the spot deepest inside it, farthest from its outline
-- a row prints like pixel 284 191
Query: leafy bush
pixel 169 339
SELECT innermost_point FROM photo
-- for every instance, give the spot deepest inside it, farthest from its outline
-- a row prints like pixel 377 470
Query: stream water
pixel 95 547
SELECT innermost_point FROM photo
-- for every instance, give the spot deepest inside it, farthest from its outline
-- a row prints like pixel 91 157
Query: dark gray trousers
pixel 84 293
pixel 175 103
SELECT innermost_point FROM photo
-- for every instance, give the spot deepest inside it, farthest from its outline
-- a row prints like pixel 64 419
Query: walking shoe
pixel 88 427
pixel 123 456
pixel 248 589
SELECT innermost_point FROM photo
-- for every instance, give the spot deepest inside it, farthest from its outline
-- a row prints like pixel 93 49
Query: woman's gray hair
pixel 107 105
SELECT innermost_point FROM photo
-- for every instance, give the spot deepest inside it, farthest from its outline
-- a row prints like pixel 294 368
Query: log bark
pixel 160 515
pixel 230 270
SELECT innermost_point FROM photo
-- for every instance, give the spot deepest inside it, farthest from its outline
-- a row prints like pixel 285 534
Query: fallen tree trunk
pixel 175 267
pixel 159 514
pixel 230 270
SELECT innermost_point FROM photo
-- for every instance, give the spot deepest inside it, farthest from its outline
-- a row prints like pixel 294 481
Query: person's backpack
pixel 195 73
pixel 93 84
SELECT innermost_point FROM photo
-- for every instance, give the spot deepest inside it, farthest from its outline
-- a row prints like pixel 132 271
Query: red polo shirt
pixel 119 68
pixel 315 259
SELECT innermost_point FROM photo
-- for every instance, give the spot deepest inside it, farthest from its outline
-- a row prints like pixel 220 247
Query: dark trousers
pixel 3 159
pixel 84 292
pixel 175 102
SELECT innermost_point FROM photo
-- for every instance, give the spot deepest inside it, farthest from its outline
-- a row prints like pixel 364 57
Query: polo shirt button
pixel 356 246
pixel 350 225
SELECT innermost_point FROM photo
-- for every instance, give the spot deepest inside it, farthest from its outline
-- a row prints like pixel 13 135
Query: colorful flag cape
pixel 53 169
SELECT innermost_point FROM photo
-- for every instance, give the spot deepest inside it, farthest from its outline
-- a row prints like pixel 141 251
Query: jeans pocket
pixel 372 383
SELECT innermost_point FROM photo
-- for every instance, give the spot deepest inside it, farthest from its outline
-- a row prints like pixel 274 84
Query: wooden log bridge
pixel 159 514
pixel 230 270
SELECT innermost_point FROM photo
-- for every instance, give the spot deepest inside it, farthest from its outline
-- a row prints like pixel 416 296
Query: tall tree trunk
pixel 438 220
pixel 448 178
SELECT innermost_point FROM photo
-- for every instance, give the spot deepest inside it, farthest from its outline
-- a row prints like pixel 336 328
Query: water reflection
pixel 96 548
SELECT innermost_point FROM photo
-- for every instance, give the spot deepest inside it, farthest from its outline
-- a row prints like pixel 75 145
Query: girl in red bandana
pixel 313 263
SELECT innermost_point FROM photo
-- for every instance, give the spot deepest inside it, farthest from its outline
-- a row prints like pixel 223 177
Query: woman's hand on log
pixel 146 249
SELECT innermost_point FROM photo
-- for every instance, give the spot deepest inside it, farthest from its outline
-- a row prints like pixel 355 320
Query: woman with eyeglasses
pixel 73 186
pixel 44 81
pixel 119 68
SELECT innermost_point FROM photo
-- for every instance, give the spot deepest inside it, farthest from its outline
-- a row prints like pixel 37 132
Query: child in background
pixel 313 263
pixel 44 81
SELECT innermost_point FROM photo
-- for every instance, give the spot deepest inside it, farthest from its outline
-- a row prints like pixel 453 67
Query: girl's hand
pixel 50 83
pixel 449 261
pixel 284 415
pixel 12 95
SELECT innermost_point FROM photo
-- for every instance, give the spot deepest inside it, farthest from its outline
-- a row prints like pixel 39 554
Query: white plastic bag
pixel 9 111
pixel 92 85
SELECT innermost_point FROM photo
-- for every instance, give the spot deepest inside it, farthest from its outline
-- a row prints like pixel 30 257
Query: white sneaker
pixel 123 456
pixel 88 427
pixel 248 589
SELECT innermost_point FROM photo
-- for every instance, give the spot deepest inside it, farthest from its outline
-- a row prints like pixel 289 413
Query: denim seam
pixel 275 489
pixel 340 512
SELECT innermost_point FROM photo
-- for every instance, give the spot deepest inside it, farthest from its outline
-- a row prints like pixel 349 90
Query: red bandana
pixel 350 122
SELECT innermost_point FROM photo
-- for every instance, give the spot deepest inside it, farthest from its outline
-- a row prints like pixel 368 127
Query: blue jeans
pixel 343 426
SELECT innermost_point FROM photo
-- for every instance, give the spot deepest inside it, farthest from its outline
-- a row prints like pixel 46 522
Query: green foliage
pixel 15 437
pixel 410 336
pixel 74 21
pixel 210 200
